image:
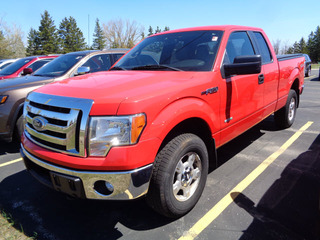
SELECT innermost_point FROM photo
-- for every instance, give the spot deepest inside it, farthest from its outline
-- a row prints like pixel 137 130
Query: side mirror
pixel 26 71
pixel 243 65
pixel 82 70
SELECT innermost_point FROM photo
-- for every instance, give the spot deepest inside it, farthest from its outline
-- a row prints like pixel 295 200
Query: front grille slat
pixel 46 137
pixel 57 123
pixel 48 114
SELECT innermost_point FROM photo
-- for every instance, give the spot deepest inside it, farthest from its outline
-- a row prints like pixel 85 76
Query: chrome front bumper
pixel 126 185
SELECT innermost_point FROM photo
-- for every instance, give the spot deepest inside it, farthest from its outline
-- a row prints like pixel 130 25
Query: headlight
pixel 3 99
pixel 106 132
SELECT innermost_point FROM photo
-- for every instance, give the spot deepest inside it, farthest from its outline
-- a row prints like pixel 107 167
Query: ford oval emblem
pixel 39 123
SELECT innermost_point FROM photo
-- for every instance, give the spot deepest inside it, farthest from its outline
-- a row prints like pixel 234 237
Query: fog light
pixel 103 187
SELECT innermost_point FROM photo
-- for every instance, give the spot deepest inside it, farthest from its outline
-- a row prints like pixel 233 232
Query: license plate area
pixel 67 184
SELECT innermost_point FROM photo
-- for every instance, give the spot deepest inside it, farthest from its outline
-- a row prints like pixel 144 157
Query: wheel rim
pixel 187 176
pixel 292 109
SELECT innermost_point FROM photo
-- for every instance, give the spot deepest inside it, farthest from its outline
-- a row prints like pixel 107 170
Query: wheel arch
pixel 198 127
pixel 295 86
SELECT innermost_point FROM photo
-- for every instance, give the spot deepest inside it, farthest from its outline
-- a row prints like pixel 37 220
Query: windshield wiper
pixel 117 68
pixel 155 67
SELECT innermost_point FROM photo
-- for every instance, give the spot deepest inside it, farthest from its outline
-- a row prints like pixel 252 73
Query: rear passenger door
pixel 270 74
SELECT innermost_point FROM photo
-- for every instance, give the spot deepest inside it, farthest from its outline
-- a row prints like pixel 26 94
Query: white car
pixel 6 62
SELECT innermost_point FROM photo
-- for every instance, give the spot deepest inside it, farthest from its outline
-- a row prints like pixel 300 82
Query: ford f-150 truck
pixel 152 124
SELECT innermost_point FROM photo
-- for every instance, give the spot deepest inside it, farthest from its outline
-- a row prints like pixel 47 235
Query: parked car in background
pixel 14 91
pixel 25 66
pixel 6 62
pixel 307 65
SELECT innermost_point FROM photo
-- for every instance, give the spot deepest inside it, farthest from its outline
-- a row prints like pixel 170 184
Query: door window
pixel 238 44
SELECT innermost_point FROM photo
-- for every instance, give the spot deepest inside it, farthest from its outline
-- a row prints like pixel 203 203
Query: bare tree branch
pixel 122 34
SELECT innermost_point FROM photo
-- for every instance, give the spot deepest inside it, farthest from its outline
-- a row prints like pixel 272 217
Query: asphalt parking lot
pixel 267 186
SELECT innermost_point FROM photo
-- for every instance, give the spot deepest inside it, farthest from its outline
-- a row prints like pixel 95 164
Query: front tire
pixel 179 176
pixel 19 128
pixel 284 117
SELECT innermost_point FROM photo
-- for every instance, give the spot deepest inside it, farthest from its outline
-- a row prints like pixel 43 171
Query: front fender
pixel 178 111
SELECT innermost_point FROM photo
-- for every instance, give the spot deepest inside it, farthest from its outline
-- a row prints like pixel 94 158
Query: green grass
pixel 11 230
pixel 315 66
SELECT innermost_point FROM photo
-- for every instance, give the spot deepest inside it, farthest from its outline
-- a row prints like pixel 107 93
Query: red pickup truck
pixel 151 125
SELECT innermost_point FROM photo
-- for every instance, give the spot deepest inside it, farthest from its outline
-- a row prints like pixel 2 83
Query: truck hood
pixel 109 89
pixel 22 82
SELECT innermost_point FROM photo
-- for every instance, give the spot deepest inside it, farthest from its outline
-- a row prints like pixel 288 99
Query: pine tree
pixel 71 36
pixel 317 44
pixel 166 28
pixel 99 40
pixel 48 35
pixel 158 30
pixel 313 45
pixel 303 46
pixel 33 43
pixel 150 31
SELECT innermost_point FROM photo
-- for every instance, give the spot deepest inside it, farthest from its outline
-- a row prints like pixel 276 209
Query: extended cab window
pixel 264 49
pixel 186 51
pixel 238 44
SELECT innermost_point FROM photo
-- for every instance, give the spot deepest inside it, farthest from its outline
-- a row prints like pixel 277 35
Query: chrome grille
pixel 57 123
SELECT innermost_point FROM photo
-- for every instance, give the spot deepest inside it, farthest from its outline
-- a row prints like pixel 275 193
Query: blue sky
pixel 287 21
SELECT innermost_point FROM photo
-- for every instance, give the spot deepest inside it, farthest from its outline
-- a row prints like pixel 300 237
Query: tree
pixel 303 46
pixel 71 36
pixel 313 45
pixel 158 30
pixel 166 28
pixel 99 40
pixel 276 46
pixel 150 31
pixel 33 42
pixel 48 35
pixel 11 44
pixel 122 34
pixel 296 47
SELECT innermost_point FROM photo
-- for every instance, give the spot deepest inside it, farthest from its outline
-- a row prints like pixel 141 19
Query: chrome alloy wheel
pixel 187 176
pixel 292 109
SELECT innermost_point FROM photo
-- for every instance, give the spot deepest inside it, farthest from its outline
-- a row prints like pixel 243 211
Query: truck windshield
pixel 185 51
pixel 59 66
pixel 15 66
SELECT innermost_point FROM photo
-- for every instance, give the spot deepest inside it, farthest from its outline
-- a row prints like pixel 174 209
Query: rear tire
pixel 284 117
pixel 179 176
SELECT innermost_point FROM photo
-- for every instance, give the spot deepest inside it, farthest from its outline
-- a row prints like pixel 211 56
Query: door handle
pixel 261 79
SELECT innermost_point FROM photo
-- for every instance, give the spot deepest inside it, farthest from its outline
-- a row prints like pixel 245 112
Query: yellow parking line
pixel 210 216
pixel 10 162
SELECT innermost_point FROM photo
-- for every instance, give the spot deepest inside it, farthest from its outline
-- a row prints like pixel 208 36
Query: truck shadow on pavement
pixel 53 216
pixel 289 210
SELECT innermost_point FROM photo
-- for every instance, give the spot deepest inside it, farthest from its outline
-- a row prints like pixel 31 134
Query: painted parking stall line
pixel 10 162
pixel 214 212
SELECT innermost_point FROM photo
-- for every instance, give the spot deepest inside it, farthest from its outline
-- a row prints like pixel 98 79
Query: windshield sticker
pixel 214 39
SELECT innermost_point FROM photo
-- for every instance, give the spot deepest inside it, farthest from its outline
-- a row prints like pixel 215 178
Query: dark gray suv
pixel 14 91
